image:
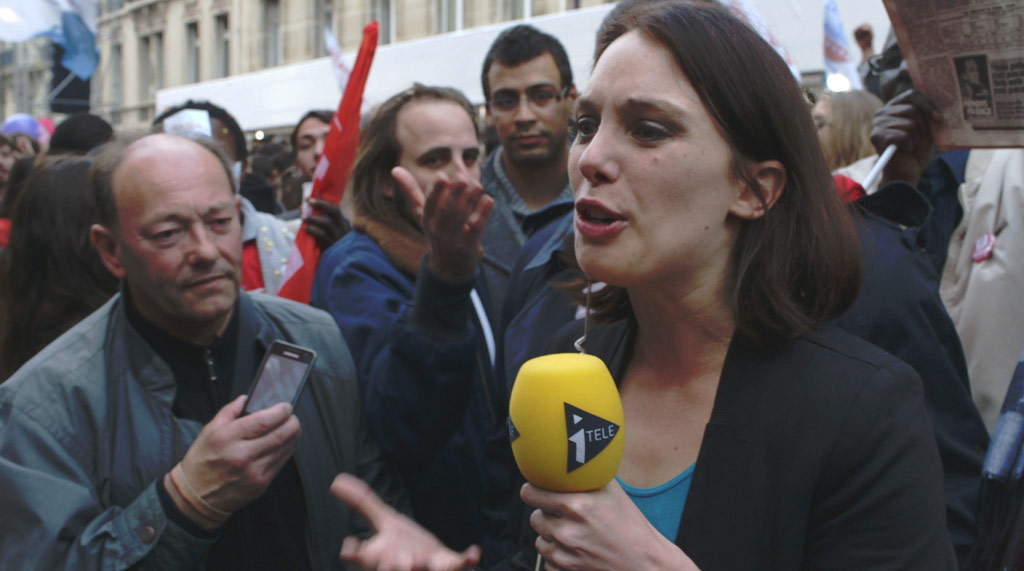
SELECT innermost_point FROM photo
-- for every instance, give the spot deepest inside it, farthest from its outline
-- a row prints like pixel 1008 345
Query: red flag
pixel 332 171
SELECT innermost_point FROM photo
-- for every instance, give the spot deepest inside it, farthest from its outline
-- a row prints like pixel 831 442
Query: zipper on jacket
pixel 486 389
pixel 312 543
pixel 211 370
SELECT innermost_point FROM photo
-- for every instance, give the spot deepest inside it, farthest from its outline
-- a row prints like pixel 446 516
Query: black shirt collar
pixel 204 374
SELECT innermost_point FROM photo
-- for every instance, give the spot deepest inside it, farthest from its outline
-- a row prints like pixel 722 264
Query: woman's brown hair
pixel 51 275
pixel 849 118
pixel 799 264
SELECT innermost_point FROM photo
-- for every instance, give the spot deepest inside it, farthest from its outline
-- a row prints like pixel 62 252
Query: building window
pixel 145 69
pixel 516 9
pixel 543 7
pixel 113 6
pixel 448 15
pixel 158 61
pixel 382 10
pixel 222 46
pixel 151 65
pixel 40 88
pixel 273 41
pixel 116 78
pixel 192 52
pixel 323 19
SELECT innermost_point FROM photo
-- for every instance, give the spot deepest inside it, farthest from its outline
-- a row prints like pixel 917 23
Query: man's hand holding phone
pixel 232 461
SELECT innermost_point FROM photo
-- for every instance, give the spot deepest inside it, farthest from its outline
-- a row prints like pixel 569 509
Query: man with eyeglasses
pixel 527 82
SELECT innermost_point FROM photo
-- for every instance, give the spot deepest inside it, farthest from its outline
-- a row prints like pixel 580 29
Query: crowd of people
pixel 795 351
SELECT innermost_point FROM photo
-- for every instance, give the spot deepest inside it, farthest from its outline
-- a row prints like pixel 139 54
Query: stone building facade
pixel 148 45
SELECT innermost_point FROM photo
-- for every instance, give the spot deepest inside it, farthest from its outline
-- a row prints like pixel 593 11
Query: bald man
pixel 123 443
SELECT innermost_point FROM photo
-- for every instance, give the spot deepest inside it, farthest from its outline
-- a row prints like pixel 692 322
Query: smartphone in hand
pixel 281 376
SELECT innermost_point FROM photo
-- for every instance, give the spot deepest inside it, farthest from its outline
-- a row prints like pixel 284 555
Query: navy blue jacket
pixel 426 378
pixel 899 310
pixel 939 185
pixel 532 310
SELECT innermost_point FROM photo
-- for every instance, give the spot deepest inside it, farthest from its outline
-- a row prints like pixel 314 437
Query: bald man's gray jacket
pixel 87 433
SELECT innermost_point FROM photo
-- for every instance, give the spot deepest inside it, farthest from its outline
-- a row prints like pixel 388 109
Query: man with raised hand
pixel 405 289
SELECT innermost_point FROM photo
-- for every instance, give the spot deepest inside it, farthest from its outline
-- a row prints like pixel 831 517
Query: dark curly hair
pixel 520 44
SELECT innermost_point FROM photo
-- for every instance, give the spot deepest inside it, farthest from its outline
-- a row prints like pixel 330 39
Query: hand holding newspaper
pixel 969 58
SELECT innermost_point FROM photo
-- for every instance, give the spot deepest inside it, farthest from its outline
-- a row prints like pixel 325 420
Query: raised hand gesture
pixel 453 215
pixel 399 543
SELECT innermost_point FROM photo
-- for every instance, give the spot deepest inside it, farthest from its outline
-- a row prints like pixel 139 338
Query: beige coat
pixel 986 298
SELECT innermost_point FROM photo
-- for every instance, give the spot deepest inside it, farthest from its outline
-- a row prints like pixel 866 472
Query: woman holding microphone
pixel 757 436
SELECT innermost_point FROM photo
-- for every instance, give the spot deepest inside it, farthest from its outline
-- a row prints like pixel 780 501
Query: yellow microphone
pixel 565 422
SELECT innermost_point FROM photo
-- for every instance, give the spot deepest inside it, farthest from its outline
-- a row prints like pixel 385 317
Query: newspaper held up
pixel 968 56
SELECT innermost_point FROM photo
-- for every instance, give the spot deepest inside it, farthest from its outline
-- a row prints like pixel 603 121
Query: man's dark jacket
pixel 428 385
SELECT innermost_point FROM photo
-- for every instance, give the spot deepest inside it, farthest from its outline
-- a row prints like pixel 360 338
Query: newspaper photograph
pixel 968 56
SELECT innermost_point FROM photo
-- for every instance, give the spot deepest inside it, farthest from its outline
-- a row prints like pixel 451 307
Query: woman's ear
pixel 771 178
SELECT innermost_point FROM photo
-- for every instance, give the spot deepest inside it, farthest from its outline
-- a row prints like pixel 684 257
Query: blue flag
pixel 70 23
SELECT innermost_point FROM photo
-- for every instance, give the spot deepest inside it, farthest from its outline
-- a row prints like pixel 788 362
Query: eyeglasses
pixel 539 97
pixel 891 58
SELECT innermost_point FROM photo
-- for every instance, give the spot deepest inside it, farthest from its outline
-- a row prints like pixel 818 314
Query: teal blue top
pixel 663 505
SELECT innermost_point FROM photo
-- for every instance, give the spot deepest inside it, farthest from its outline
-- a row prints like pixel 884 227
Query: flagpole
pixel 876 171
pixel 64 83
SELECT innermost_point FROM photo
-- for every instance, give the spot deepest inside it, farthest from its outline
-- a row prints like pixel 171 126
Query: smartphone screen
pixel 281 376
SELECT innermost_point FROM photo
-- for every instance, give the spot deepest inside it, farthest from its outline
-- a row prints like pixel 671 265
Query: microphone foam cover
pixel 565 422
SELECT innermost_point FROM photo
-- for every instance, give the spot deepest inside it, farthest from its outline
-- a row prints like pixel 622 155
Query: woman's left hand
pixel 602 529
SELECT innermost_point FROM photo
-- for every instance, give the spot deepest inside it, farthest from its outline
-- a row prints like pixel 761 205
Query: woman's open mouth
pixel 594 220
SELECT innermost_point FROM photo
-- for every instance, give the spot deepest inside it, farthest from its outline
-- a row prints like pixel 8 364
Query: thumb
pixel 229 411
pixel 472 555
pixel 350 547
pixel 357 495
pixel 411 188
pixel 447 560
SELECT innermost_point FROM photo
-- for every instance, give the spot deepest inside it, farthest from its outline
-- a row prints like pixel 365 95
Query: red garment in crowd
pixel 849 189
pixel 5 232
pixel 252 272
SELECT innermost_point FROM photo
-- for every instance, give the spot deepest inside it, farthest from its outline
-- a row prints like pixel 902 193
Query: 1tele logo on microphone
pixel 588 435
